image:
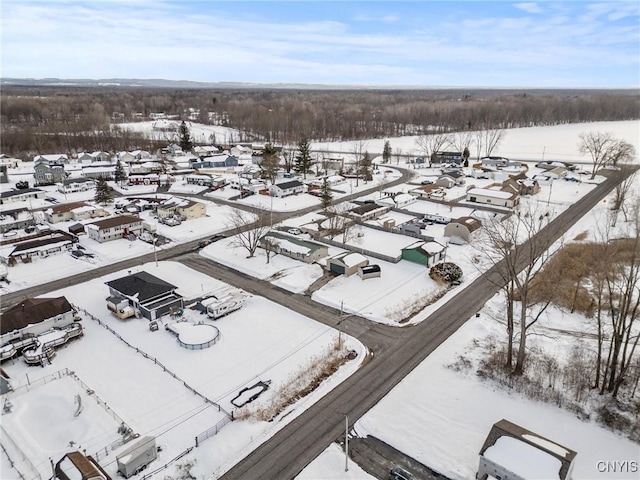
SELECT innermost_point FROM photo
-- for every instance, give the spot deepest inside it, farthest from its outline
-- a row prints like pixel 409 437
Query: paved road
pixel 10 299
pixel 397 353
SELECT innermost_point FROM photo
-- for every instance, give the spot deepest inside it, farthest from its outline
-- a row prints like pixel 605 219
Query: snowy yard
pixel 261 341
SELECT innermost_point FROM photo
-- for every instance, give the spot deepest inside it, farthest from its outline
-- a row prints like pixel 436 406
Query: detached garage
pixel 346 263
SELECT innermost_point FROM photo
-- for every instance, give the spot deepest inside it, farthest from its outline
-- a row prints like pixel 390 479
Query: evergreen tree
pixel 270 163
pixel 104 194
pixel 303 158
pixel 185 137
pixel 386 152
pixel 465 156
pixel 325 195
pixel 365 167
pixel 119 174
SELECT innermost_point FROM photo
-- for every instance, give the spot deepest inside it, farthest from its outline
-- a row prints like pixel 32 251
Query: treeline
pixel 39 119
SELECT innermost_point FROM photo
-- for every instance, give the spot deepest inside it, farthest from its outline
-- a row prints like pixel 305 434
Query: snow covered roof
pixel 485 192
pixel 432 247
pixel 523 459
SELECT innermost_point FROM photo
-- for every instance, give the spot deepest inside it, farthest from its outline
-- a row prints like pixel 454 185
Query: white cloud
pixel 529 7
pixel 146 39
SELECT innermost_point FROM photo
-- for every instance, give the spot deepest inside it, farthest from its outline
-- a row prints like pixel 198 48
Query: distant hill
pixel 182 84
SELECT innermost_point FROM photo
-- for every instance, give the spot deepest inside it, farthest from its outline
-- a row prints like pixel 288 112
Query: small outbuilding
pixel 346 263
pixel 463 227
pixel 137 456
pixel 76 466
pixel 424 253
pixel 369 271
pixel 513 452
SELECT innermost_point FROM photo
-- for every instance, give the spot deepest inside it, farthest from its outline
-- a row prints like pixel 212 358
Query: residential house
pixel 121 226
pixel 346 263
pixel 204 180
pixel 182 207
pixel 10 162
pixel 463 227
pixel 93 157
pixel 446 157
pixel 550 175
pixel 492 197
pixel 241 149
pixel 424 253
pixel 151 179
pixel 495 162
pixel 172 149
pixel 511 452
pixel 144 168
pixel 368 211
pixel 15 219
pixel 451 179
pixel 201 151
pixel 23 195
pixel 4 174
pixel 53 158
pixel 33 316
pixel 76 466
pixel 291 246
pixel 144 294
pixel 99 172
pixel 73 211
pixel 71 185
pixel 42 246
pixel 529 186
pixel 285 189
pixel 425 191
pixel 215 161
pixel 48 172
pixel 399 200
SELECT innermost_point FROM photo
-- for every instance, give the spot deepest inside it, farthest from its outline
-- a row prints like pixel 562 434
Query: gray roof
pixel 13 193
pixel 291 184
pixel 142 284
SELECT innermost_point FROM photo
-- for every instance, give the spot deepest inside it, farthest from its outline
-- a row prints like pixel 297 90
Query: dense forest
pixel 41 119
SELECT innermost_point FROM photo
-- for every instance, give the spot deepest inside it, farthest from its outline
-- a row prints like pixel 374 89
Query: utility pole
pixel 346 443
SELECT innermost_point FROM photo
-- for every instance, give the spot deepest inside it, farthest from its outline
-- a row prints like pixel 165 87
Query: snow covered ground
pixel 261 341
pixel 445 415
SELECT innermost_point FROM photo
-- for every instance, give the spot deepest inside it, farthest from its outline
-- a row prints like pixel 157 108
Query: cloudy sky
pixel 419 43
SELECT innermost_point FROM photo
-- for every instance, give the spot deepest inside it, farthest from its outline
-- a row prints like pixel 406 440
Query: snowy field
pixel 552 143
pixel 261 341
pixel 446 415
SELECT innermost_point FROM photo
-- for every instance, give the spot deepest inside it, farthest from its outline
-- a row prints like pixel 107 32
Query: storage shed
pixel 136 458
pixel 369 271
pixel 346 263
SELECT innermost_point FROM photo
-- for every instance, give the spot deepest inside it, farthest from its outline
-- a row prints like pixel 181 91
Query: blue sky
pixel 386 43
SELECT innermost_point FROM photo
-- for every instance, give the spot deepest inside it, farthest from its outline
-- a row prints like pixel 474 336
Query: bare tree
pixel 621 194
pixel 338 223
pixel 517 254
pixel 491 140
pixel 604 150
pixel 461 141
pixel 621 152
pixel 248 228
pixel 621 303
pixel 430 144
pixel 358 152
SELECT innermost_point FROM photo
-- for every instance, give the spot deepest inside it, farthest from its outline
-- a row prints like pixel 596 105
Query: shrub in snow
pixel 445 272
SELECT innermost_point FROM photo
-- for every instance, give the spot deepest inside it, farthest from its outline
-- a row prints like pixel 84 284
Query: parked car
pixel 426 182
pixel 398 473
pixel 294 231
